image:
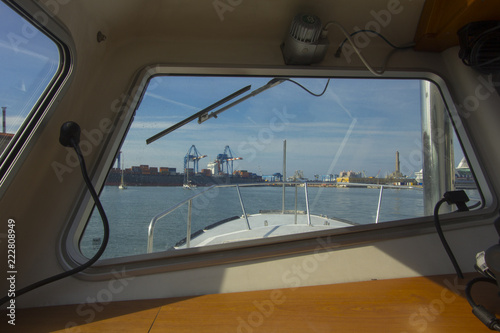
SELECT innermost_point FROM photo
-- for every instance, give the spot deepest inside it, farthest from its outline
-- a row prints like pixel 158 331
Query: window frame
pixel 27 134
pixel 192 258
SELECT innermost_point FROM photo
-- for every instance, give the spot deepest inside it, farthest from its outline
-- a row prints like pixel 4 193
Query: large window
pixel 350 152
pixel 28 62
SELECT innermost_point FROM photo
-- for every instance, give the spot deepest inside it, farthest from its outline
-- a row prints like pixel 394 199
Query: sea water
pixel 130 211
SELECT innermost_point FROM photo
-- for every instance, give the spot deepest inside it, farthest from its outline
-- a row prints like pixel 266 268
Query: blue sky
pixel 28 61
pixel 356 125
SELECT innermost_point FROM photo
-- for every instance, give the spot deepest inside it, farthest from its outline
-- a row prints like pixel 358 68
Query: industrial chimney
pixel 4 121
pixel 398 171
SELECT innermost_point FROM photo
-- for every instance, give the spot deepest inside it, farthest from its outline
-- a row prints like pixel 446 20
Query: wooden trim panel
pixel 421 304
pixel 441 20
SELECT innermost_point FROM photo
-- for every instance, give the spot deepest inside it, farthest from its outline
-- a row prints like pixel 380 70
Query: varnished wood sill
pixel 400 305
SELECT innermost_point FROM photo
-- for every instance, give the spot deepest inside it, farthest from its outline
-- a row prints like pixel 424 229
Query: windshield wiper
pixel 274 82
pixel 203 115
pixel 197 114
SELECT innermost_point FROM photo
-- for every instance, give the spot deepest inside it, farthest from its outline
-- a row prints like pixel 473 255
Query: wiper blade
pixel 197 115
pixel 272 83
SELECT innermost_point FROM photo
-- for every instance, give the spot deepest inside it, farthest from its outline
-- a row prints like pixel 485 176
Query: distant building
pixel 4 136
pixel 276 177
pixel 464 179
pixel 329 178
pixel 463 176
pixel 298 176
pixel 361 180
pixel 419 177
pixel 350 174
pixel 213 167
pixel 5 140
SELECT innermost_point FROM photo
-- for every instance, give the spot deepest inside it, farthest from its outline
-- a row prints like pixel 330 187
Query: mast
pixel 284 176
pixel 122 183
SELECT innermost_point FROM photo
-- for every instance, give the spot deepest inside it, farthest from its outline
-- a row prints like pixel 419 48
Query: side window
pixel 288 156
pixel 28 62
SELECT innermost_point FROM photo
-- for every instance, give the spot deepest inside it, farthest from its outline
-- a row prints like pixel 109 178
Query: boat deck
pixel 421 304
pixel 263 225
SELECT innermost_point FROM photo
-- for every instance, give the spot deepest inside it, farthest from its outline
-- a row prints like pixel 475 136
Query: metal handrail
pixel 295 217
pixel 307 205
pixel 379 203
pixel 152 224
pixel 382 186
pixel 189 200
pixel 243 207
pixel 166 212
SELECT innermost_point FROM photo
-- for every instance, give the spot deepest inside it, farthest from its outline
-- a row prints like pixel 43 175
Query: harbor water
pixel 130 211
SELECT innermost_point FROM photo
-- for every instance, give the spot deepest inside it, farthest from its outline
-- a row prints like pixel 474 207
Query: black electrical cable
pixel 443 239
pixel 98 253
pixel 337 54
pixel 486 317
pixel 317 95
pixel 486 273
pixel 477 204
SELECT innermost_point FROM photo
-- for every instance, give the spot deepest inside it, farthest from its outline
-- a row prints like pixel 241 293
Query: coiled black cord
pixel 443 239
pixel 487 318
pixel 96 257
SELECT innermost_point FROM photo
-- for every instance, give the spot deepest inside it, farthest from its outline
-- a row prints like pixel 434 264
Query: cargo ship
pixel 153 176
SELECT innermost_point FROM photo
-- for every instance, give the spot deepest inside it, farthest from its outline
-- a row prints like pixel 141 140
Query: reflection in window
pixel 28 62
pixel 353 150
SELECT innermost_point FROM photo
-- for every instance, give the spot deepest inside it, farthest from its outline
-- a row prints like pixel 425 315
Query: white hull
pixel 263 226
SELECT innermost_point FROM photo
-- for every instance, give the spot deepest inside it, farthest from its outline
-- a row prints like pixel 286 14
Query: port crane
pixel 192 156
pixel 226 159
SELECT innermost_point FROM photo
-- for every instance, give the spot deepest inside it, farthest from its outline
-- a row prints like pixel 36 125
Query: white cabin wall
pixel 35 198
pixel 399 258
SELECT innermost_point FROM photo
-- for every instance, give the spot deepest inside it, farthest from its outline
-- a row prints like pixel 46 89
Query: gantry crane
pixel 226 159
pixel 192 156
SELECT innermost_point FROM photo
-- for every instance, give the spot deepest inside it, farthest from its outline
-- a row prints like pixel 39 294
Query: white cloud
pixel 168 100
pixel 20 50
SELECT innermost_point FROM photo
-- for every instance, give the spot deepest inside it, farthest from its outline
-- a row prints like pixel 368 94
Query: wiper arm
pixel 197 115
pixel 203 115
pixel 274 82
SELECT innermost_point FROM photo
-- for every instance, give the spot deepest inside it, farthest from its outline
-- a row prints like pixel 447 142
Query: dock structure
pixel 4 136
pixel 376 181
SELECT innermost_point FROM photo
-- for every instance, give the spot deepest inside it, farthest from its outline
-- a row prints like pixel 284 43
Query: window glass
pixel 28 62
pixel 354 152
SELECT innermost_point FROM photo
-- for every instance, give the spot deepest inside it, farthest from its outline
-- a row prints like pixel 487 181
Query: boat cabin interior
pixel 304 223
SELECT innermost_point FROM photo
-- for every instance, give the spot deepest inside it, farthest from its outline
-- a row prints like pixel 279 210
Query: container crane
pixel 226 159
pixel 192 156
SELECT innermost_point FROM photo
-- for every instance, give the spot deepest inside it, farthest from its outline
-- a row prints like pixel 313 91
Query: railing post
pixel 307 206
pixel 188 236
pixel 295 203
pixel 379 202
pixel 284 177
pixel 243 206
pixel 151 230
